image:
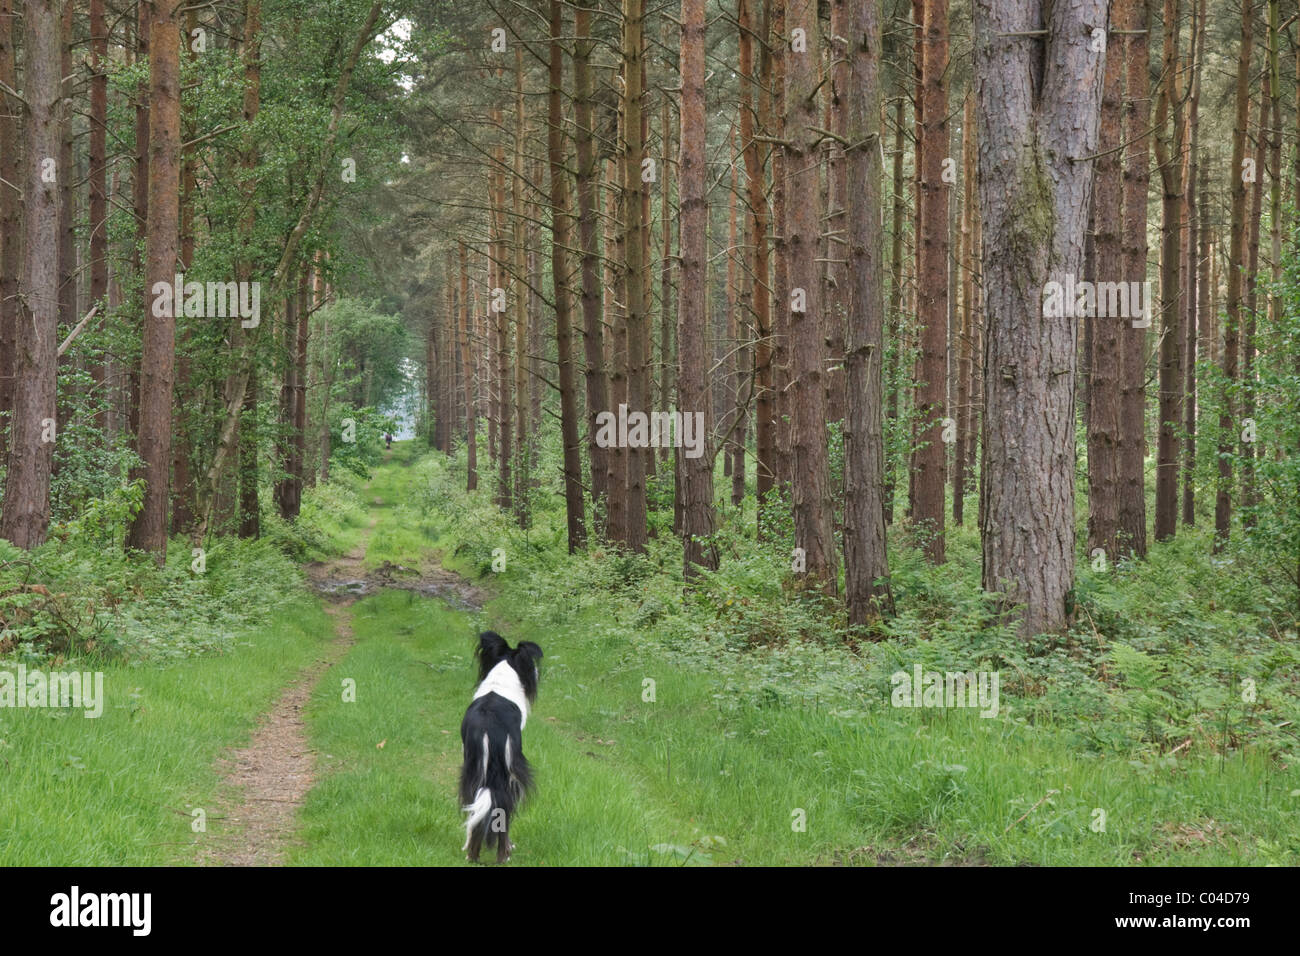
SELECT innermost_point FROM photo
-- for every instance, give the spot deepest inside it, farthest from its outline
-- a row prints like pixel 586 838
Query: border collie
pixel 495 776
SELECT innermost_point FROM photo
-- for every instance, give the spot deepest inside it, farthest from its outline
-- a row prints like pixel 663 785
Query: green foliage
pixel 1272 523
pixel 104 520
pixel 765 644
pixel 367 346
pixel 75 596
pixel 366 427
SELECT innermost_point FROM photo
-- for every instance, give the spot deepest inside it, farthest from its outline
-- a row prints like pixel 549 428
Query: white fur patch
pixel 503 680
pixel 478 811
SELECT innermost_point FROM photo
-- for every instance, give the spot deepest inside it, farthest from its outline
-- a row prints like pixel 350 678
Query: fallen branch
pixel 77 331
pixel 1031 809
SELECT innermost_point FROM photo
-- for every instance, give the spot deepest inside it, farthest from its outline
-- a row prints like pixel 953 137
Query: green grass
pixel 395 804
pixel 705 775
pixel 690 778
pixel 119 789
pixel 785 753
pixel 396 537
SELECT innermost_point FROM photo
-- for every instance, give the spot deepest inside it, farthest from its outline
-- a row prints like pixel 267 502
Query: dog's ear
pixel 492 649
pixel 524 659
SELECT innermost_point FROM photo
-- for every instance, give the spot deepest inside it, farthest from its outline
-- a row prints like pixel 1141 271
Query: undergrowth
pixel 1178 654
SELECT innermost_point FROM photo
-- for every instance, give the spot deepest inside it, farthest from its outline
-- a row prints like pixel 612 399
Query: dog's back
pixel 495 776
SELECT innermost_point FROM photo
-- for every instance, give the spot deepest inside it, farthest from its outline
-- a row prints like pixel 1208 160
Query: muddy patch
pixel 345 581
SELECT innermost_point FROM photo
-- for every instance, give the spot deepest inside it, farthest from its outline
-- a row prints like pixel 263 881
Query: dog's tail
pixel 493 778
pixel 478 811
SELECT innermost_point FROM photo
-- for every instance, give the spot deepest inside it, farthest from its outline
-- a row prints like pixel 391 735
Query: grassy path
pixel 691 777
pixel 389 759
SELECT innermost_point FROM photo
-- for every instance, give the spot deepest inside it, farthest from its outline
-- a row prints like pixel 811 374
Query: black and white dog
pixel 495 776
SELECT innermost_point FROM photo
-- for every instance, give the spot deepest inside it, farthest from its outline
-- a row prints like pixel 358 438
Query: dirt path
pixel 269 779
pixel 273 773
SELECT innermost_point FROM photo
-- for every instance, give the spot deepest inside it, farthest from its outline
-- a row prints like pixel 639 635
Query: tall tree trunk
pixel 67 249
pixel 731 338
pixel 1205 303
pixel 635 247
pixel 1039 105
pixel 667 315
pixel 896 286
pixel 182 507
pixel 810 484
pixel 646 345
pixel 918 168
pixel 1104 425
pixel 113 372
pixel 519 296
pixel 449 349
pixel 615 357
pixel 140 189
pixel 1169 158
pixel 283 493
pixel 835 311
pixel 866 565
pixel 149 530
pixel 327 387
pixel 977 324
pixel 493 283
pixel 302 340
pixel 696 484
pixel 311 379
pixel 1193 316
pixel 1275 192
pixel 573 504
pixel 744 387
pixel 26 516
pixel 1228 425
pixel 966 329
pixel 779 43
pixel 593 338
pixel 467 363
pixel 504 390
pixel 250 506
pixel 932 290
pixel 11 224
pixel 755 118
pixel 245 426
pixel 430 384
pixel 1130 17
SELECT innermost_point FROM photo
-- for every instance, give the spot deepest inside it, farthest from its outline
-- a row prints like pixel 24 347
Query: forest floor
pixel 331 736
pixel 688 778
